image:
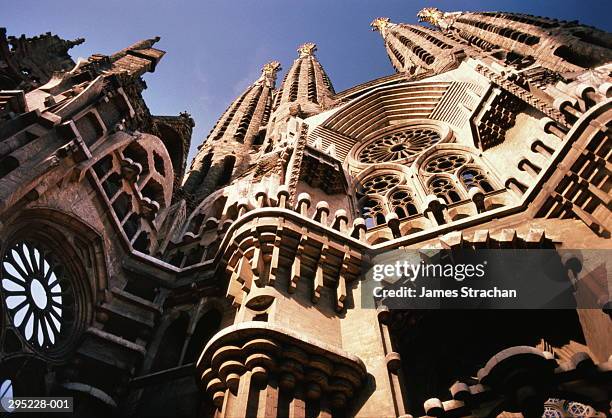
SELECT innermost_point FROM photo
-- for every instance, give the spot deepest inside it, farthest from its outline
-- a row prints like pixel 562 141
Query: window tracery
pixel 372 211
pixel 561 408
pixel 385 193
pixel 444 188
pixel 474 177
pixel 399 145
pixel 379 184
pixel 450 176
pixel 402 203
pixel 37 292
pixel 445 163
pixel 137 180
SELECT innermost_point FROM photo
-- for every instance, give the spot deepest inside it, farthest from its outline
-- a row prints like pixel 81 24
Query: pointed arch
pixel 206 327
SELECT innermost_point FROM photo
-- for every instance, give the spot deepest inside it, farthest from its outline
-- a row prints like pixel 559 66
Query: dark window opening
pixel 261 317
pixel 454 196
pixel 228 169
pixel 137 154
pixel 103 166
pixel 207 326
pixel 573 57
pixel 112 185
pixel 169 350
pixel 158 161
pixel 122 206
pixel 154 191
pixel 259 138
pixel 8 164
pixel 142 243
pixel 131 226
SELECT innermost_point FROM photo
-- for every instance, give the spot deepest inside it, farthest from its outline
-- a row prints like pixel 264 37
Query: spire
pixel 380 24
pixel 552 44
pixel 138 46
pixel 236 131
pixel 268 74
pixel 306 83
pixel 436 17
pixel 414 49
pixel 307 49
pixel 134 61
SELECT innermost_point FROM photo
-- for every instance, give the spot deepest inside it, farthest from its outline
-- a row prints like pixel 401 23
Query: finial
pixel 75 42
pixel 269 69
pixel 145 44
pixel 435 17
pixel 307 49
pixel 379 24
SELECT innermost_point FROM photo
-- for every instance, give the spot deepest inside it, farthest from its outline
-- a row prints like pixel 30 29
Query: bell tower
pixel 237 131
pixel 417 49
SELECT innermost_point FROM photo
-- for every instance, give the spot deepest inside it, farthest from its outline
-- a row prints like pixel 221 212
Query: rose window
pixel 35 293
pixel 398 145
pixel 381 183
pixel 446 163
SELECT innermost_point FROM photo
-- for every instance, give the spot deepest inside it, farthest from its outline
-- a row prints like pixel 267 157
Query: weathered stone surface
pixel 235 288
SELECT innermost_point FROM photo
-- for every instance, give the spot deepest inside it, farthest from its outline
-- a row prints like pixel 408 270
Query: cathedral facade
pixel 233 287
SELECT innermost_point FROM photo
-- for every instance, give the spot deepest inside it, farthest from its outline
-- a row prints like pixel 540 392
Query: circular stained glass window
pixel 398 145
pixel 6 394
pixel 36 292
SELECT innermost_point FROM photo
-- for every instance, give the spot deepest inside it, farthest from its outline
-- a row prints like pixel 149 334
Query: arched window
pixel 154 191
pixel 138 154
pixel 402 203
pixel 372 212
pixel 207 326
pixel 445 163
pixel 450 176
pixel 206 163
pixel 444 188
pixel 169 350
pixel 380 183
pixel 228 169
pixel 474 177
pixel 383 193
pixel 195 223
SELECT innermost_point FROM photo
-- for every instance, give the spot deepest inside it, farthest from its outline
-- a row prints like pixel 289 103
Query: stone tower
pixel 236 133
pixel 237 288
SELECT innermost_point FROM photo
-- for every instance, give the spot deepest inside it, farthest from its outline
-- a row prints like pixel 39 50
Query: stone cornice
pixel 270 352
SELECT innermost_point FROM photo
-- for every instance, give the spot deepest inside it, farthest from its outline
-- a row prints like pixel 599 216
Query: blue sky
pixel 215 48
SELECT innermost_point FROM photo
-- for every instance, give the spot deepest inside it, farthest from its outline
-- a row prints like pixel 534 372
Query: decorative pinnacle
pixel 269 69
pixel 307 49
pixel 435 17
pixel 379 24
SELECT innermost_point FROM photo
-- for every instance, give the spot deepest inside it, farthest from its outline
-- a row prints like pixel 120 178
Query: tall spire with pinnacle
pixel 306 84
pixel 557 45
pixel 236 131
pixel 414 49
